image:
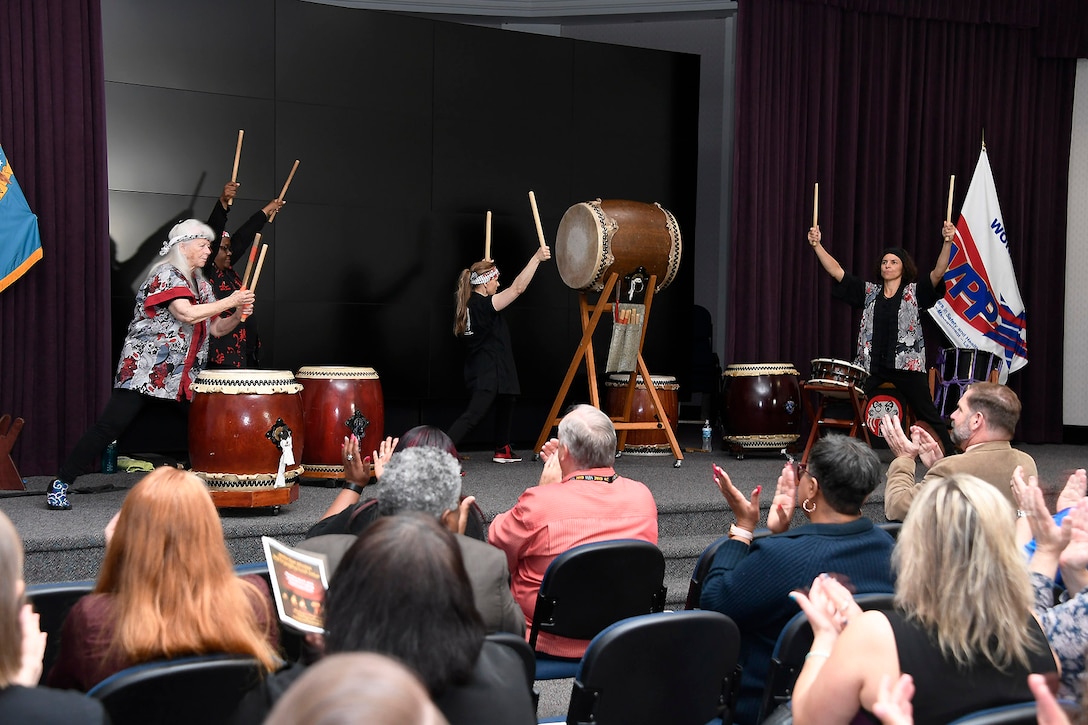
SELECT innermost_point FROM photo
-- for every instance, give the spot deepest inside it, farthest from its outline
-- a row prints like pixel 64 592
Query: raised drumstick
pixel 283 192
pixel 536 218
pixel 252 257
pixel 951 186
pixel 487 237
pixel 816 204
pixel 257 274
pixel 237 158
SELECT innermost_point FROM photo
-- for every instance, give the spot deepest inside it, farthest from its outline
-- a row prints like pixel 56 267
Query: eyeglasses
pixel 799 468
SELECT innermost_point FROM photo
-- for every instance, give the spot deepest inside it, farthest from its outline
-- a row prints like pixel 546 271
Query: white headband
pixel 477 278
pixel 184 231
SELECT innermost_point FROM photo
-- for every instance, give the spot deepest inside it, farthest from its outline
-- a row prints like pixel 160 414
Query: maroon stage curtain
pixel 54 331
pixel 880 101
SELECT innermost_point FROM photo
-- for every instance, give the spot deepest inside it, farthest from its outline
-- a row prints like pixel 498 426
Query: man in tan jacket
pixel 982 426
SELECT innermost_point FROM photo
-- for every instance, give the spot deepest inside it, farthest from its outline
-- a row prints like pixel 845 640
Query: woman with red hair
pixel 167 589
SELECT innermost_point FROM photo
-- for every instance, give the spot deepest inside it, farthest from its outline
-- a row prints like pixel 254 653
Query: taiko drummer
pixel 890 344
pixel 166 346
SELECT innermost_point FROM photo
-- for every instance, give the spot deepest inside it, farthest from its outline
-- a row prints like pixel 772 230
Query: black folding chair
pixel 591 586
pixel 206 690
pixel 52 602
pixel 672 667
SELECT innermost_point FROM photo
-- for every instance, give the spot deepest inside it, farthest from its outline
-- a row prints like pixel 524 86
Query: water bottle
pixel 707 432
pixel 109 458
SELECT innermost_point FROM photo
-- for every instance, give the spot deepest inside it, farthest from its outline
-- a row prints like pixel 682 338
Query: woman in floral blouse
pixel 890 343
pixel 165 348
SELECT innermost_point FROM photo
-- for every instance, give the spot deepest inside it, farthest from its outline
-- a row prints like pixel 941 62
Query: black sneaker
pixel 57 496
pixel 506 455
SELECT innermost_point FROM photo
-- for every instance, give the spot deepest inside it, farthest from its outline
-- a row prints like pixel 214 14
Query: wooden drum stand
pixel 622 423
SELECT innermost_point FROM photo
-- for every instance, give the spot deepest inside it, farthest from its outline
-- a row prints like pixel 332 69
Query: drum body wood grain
pixel 339 401
pixel 598 237
pixel 237 421
pixel 645 442
pixel 761 407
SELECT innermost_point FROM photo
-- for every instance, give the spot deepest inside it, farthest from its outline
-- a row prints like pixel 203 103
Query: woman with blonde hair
pixel 962 626
pixel 167 588
pixel 489 366
pixel 22 646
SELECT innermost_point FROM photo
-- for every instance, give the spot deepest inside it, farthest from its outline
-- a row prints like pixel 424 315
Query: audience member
pixel 962 615
pixel 428 480
pixel 1064 546
pixel 349 512
pixel 750 580
pixel 579 499
pixel 983 423
pixel 167 588
pixel 351 688
pixel 402 591
pixel 22 646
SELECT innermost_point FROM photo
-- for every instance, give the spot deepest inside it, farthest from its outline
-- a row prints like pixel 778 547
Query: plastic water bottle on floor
pixel 707 433
pixel 109 458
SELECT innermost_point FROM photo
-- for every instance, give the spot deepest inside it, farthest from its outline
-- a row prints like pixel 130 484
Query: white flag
pixel 982 307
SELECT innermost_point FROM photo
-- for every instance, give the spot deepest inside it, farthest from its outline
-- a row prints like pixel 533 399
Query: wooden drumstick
pixel 252 258
pixel 257 274
pixel 283 192
pixel 237 158
pixel 951 186
pixel 536 218
pixel 487 237
pixel 816 204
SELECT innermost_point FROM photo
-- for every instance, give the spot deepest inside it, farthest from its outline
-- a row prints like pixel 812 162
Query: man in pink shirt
pixel 580 499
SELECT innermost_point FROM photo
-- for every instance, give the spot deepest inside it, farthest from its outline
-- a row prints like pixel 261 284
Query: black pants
pixel 121 410
pixel 914 387
pixel 481 402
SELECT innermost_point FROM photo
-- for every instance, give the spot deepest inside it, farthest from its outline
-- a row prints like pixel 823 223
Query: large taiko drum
pixel 644 442
pixel 238 423
pixel 829 371
pixel 598 237
pixel 339 401
pixel 761 407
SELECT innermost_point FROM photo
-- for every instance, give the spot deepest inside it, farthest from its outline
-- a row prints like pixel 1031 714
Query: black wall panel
pixel 408 131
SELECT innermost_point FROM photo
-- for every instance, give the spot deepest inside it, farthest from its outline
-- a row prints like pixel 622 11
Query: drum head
pixel 579 245
pixel 333 372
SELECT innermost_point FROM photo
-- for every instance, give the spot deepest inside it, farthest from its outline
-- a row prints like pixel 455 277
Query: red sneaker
pixel 506 455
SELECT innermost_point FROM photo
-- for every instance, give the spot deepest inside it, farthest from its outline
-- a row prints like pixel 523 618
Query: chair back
pixel 892 527
pixel 1020 713
pixel 593 585
pixel 672 667
pixel 702 566
pixel 206 690
pixel 522 649
pixel 794 642
pixel 52 602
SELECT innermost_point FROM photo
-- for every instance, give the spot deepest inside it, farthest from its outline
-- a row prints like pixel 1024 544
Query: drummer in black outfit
pixel 239 349
pixel 890 344
pixel 489 368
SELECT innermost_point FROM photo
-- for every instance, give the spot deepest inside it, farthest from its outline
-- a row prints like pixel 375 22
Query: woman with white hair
pixel 165 348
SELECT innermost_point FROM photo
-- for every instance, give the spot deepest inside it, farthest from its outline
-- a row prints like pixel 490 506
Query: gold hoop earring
pixel 805 505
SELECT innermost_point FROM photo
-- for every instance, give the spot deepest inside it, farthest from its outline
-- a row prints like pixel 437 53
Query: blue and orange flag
pixel 20 244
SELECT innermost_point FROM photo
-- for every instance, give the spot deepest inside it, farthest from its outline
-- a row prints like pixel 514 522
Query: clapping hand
pixel 893 702
pixel 33 648
pixel 784 501
pixel 745 511
pixel 383 454
pixel 356 468
pixel 829 605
